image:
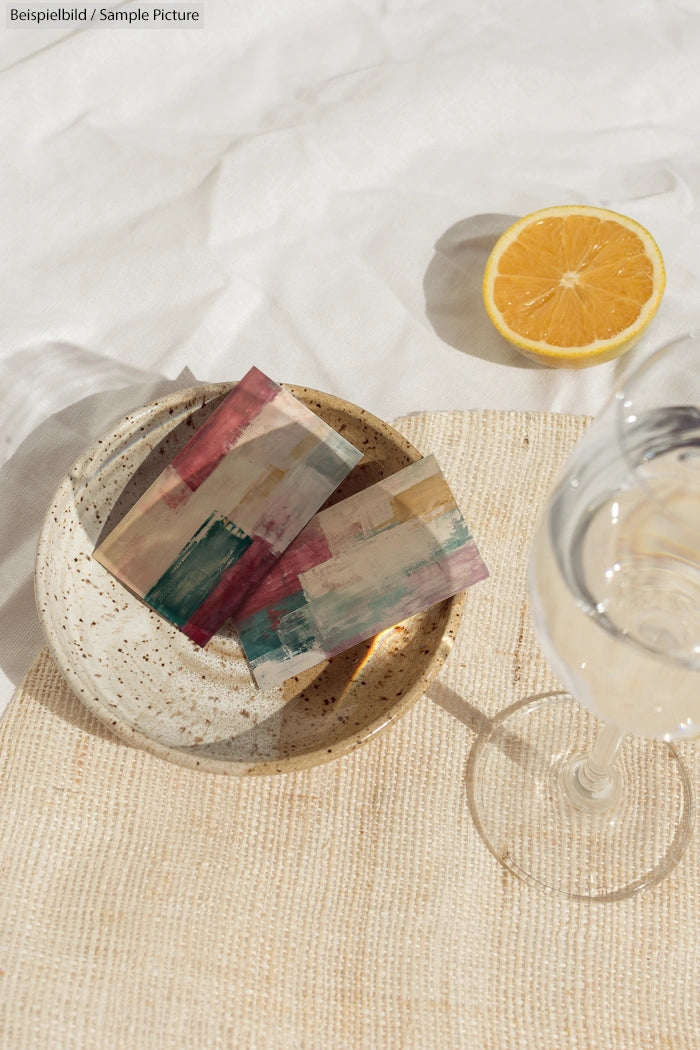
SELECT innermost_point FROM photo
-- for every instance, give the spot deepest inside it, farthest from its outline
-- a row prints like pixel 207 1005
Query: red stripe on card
pixel 215 438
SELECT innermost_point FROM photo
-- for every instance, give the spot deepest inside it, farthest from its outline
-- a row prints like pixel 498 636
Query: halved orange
pixel 573 285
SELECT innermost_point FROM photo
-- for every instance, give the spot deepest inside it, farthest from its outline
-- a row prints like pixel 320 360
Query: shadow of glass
pixel 492 732
pixel 153 465
pixel 512 746
pixel 28 481
pixel 452 287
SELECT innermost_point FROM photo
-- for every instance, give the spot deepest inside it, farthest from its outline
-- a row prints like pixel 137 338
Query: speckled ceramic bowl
pixel 200 707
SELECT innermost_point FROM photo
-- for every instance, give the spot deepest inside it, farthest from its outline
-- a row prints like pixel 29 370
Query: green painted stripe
pixel 214 548
pixel 258 633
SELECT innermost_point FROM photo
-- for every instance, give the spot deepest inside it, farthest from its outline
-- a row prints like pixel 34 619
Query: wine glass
pixel 590 797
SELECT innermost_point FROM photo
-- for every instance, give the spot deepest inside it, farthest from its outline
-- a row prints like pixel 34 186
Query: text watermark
pixel 25 15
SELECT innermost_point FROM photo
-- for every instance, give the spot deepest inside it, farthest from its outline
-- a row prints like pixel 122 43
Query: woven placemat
pixel 353 906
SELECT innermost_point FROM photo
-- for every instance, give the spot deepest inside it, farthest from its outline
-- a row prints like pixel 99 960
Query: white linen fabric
pixel 312 187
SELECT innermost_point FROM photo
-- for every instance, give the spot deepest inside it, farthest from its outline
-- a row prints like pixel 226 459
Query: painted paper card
pixel 357 568
pixel 227 506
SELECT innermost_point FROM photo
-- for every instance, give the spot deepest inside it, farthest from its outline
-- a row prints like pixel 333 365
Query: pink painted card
pixel 231 501
pixel 359 567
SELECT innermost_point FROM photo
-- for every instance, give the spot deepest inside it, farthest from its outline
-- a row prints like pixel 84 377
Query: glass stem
pixel 591 782
pixel 595 770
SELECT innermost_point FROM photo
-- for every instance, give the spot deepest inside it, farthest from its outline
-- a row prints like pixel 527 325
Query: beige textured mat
pixel 353 906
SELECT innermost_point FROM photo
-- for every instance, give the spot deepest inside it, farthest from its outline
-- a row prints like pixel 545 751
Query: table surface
pixel 311 188
pixel 353 905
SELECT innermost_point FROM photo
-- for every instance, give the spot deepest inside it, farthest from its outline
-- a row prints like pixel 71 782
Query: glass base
pixel 631 838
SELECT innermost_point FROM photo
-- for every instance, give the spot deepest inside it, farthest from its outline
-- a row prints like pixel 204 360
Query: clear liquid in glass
pixel 615 576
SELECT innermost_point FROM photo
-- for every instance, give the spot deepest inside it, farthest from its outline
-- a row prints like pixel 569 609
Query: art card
pixel 357 568
pixel 230 502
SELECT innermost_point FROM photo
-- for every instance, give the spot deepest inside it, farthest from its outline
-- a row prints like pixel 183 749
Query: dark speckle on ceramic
pixel 200 707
